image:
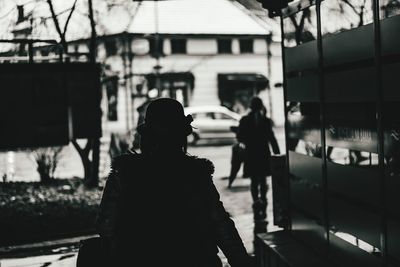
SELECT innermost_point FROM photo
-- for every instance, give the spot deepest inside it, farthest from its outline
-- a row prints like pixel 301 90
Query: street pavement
pixel 237 201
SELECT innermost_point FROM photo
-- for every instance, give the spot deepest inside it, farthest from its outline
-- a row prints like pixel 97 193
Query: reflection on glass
pixel 391 122
pixel 351 157
pixel 303 123
pixel 351 126
pixel 306 148
pixel 300 27
pixel 352 114
pixel 342 15
pixel 355 241
pixel 389 8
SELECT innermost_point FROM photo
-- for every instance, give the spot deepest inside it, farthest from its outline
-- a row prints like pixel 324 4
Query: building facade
pixel 187 50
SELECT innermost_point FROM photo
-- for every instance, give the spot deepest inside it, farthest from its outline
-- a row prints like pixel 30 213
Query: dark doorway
pixel 176 85
pixel 236 89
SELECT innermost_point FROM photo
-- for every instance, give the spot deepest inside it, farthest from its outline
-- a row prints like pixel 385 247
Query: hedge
pixel 31 212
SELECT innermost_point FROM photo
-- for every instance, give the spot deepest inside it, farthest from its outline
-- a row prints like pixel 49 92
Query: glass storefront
pixel 342 126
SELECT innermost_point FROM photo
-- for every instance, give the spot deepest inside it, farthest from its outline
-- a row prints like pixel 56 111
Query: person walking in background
pixel 160 207
pixel 255 132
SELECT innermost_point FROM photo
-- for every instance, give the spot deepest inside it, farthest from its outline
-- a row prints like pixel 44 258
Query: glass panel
pixel 307 148
pixel 351 126
pixel 354 241
pixel 304 127
pixel 389 8
pixel 300 27
pixel 392 154
pixel 351 157
pixel 342 15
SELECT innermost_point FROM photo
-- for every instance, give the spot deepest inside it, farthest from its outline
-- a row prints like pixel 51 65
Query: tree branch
pixel 57 25
pixel 93 34
pixel 62 12
pixel 88 146
pixel 69 17
pixel 350 5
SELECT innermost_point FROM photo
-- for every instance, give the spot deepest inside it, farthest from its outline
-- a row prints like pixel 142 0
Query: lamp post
pixel 157 67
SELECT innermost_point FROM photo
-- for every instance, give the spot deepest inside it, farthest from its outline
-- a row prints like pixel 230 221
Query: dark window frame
pixel 152 51
pixel 178 46
pixel 224 46
pixel 246 46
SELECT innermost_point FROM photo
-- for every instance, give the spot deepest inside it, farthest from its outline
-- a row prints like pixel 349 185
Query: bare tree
pixel 47 160
pixel 54 16
pixel 90 166
pixel 299 25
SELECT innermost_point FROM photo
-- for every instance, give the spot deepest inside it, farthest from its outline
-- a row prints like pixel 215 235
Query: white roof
pixel 195 17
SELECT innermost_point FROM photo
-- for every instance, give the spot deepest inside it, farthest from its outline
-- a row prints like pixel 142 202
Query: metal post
pixel 157 67
pixel 30 52
pixel 286 125
pixel 380 131
pixel 94 180
pixel 322 122
pixel 269 40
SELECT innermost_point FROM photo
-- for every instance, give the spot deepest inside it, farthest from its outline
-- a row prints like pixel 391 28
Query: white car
pixel 212 123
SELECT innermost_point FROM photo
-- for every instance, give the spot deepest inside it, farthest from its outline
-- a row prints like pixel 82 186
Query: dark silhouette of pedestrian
pixel 160 207
pixel 237 158
pixel 255 132
pixel 141 115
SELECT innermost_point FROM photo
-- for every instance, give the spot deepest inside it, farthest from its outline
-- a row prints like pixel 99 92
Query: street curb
pixel 39 247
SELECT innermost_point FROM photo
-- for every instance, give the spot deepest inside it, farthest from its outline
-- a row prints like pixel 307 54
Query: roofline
pixel 165 35
pixel 251 15
pixel 191 35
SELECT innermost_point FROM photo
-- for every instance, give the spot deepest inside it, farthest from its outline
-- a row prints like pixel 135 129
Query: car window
pixel 202 115
pixel 222 116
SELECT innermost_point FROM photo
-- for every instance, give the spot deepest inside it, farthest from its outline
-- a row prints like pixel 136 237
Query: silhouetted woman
pixel 160 207
pixel 255 131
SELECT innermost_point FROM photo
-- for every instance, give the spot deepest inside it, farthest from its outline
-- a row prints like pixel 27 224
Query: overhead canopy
pixel 171 79
pixel 236 89
pixel 253 81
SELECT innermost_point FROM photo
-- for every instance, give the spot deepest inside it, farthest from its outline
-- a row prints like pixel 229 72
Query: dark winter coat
pixel 166 211
pixel 257 135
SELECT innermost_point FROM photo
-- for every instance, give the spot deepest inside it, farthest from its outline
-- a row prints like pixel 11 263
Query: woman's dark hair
pixel 165 128
pixel 256 104
pixel 153 143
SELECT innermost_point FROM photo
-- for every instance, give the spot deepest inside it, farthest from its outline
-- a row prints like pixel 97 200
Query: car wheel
pixel 192 139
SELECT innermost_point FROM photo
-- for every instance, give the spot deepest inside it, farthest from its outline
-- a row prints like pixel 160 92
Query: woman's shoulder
pixel 203 165
pixel 126 159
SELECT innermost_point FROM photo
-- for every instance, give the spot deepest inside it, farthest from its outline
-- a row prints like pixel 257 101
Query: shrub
pixel 33 211
pixel 47 159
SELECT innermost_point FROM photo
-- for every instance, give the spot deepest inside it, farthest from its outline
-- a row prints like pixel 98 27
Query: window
pixel 178 46
pixel 156 51
pixel 222 116
pixel 44 52
pixel 112 98
pixel 203 116
pixel 246 45
pixel 224 46
pixel 110 45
